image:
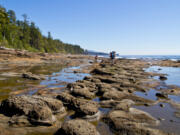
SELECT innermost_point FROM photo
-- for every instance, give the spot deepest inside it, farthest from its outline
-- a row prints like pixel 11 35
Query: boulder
pixel 31 76
pixel 162 95
pixel 55 105
pixel 66 98
pixel 82 84
pixel 88 78
pixel 38 110
pixel 81 106
pixel 85 107
pixel 100 72
pixel 95 80
pixel 108 80
pixel 76 85
pixel 162 77
pixel 91 86
pixel 130 85
pixel 132 123
pixel 124 104
pixel 109 103
pixel 114 94
pixel 84 92
pixel 77 127
pixel 102 88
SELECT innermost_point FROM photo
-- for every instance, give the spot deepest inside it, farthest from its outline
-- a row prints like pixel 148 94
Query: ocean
pixel 148 57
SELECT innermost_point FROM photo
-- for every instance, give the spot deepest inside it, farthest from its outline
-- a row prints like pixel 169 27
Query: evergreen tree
pixel 26 35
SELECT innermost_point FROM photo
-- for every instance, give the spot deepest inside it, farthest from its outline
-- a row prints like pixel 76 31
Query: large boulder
pixel 98 71
pixel 66 98
pixel 102 88
pixel 85 107
pixel 133 122
pixel 77 127
pixel 88 84
pixel 76 85
pixel 120 95
pixel 114 94
pixel 37 109
pixel 133 86
pixel 124 104
pixel 55 105
pixel 81 106
pixel 83 92
pixel 109 103
pixel 108 79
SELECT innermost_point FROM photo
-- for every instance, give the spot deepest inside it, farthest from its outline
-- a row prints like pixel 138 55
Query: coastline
pixel 106 98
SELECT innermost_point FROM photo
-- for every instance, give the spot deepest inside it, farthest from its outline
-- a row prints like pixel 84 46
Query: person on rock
pixel 112 57
pixel 96 58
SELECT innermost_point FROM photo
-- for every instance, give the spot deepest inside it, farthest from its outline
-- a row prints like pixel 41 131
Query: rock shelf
pixel 113 87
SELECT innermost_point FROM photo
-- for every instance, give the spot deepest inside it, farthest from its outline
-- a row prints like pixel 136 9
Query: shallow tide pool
pixel 173 74
pixel 166 114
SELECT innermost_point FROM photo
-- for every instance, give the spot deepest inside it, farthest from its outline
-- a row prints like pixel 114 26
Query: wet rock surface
pixel 77 127
pixel 117 91
pixel 81 106
pixel 108 96
pixel 162 77
pixel 36 109
pixel 83 92
pixel 162 95
pixel 133 122
pixel 31 76
pixel 168 63
pixel 4 131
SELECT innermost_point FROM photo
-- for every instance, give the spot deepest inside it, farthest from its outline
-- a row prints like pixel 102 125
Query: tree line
pixel 26 35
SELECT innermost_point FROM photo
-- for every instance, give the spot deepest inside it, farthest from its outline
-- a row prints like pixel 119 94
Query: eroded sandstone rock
pixel 77 127
pixel 84 92
pixel 81 106
pixel 133 122
pixel 100 72
pixel 37 109
pixel 114 94
pixel 31 76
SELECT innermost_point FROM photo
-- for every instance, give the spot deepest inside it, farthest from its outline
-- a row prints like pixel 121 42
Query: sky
pixel 129 27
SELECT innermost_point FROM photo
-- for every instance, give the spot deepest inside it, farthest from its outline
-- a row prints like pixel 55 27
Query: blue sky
pixel 126 26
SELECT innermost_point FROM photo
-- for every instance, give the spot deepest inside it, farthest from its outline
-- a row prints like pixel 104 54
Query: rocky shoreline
pixel 107 96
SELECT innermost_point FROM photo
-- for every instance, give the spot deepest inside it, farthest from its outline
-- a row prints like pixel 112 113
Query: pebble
pixel 161 119
pixel 146 104
pixel 162 105
pixel 171 120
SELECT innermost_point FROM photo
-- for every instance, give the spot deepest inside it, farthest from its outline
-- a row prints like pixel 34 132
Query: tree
pixel 49 35
pixel 12 16
pixel 36 37
pixel 4 22
pixel 25 18
pixel 26 35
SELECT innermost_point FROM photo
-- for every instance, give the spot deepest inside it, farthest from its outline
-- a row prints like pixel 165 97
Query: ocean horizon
pixel 150 57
